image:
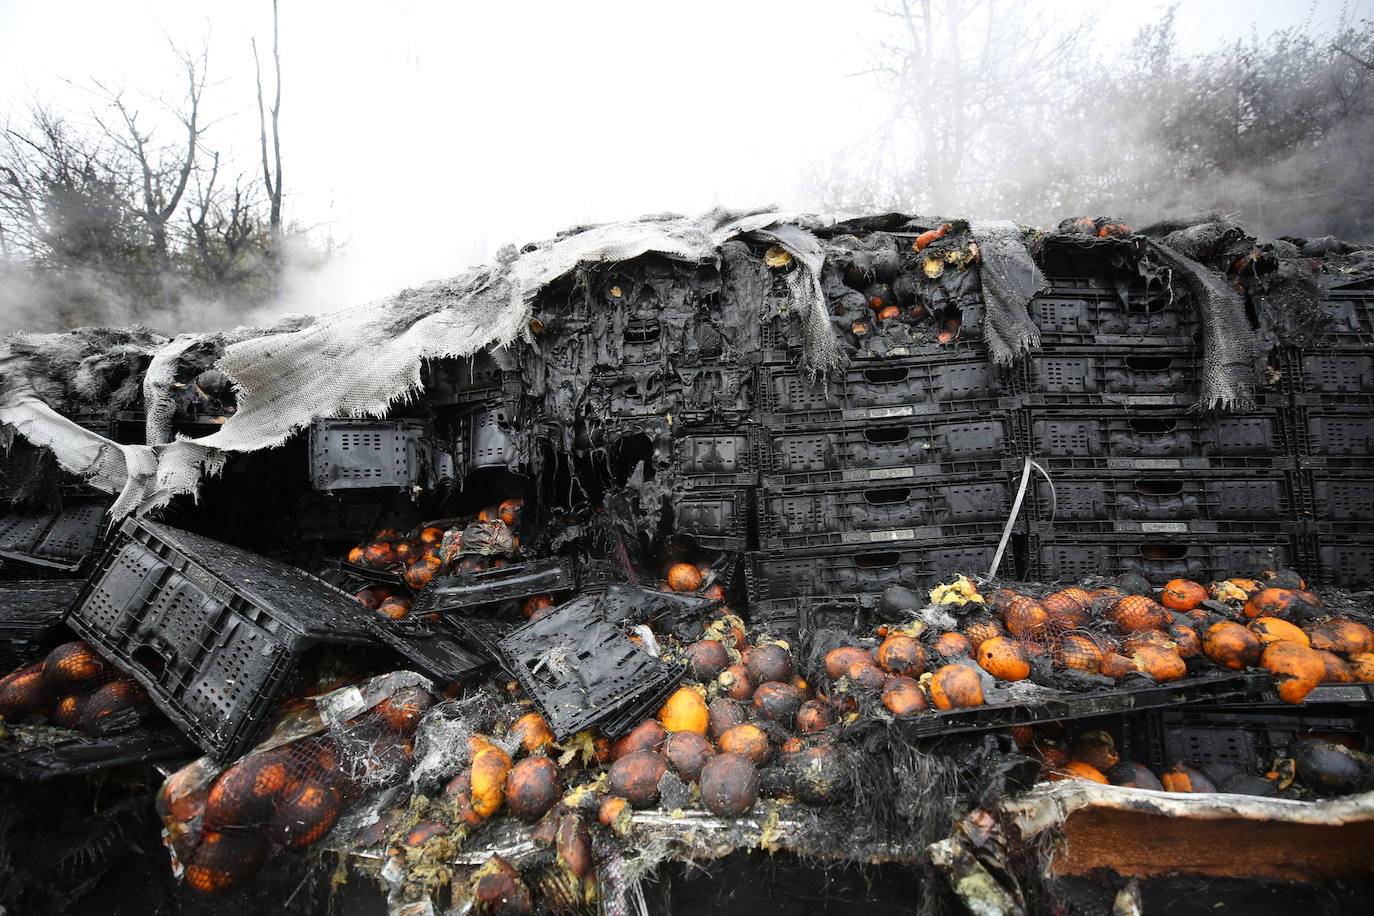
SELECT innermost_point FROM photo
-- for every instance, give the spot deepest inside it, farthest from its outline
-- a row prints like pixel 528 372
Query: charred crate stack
pixel 1141 481
pixel 894 471
pixel 1332 384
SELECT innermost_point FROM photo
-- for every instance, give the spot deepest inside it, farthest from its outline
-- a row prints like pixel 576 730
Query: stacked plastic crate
pixel 1139 480
pixel 1332 384
pixel 896 471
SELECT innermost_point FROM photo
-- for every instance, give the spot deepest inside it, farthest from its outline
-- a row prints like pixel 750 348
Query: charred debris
pixel 895 540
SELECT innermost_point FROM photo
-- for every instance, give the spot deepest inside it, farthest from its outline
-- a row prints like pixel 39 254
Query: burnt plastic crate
pixel 1352 318
pixel 928 508
pixel 896 449
pixel 862 570
pixel 1099 376
pixel 31 613
pixel 344 516
pixel 715 519
pixel 798 618
pixel 80 755
pixel 716 458
pixel 435 649
pixel 1072 557
pixel 462 382
pixel 1335 436
pixel 484 440
pixel 1246 737
pixel 460 592
pixel 351 454
pixel 58 540
pixel 952 379
pixel 1345 560
pixel 1121 438
pixel 1240 501
pixel 1342 501
pixel 212 631
pixel 709 394
pixel 1069 313
pixel 1316 376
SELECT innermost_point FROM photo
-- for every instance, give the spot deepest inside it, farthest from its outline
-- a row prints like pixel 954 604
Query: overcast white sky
pixel 430 132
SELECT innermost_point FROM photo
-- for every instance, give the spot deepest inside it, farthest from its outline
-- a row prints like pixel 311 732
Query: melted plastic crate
pixel 1072 557
pixel 1117 438
pixel 462 382
pixel 696 395
pixel 484 441
pixel 1335 436
pixel 1076 313
pixel 80 755
pixel 1098 376
pixel 349 454
pixel 931 509
pixel 718 520
pixel 896 449
pixel 948 380
pixel 855 570
pixel 715 458
pixel 31 617
pixel 1238 501
pixel 800 617
pixel 59 539
pixel 212 631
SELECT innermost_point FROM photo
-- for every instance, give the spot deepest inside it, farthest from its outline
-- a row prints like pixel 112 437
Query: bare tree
pixel 271 170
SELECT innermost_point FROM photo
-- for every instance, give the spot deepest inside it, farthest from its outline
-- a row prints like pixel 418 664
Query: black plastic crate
pixel 513 581
pixel 344 516
pixel 928 508
pixel 1098 376
pixel 1352 318
pixel 715 519
pixel 80 755
pixel 864 570
pixel 1336 436
pixel 952 379
pixel 896 449
pixel 1345 560
pixel 1067 557
pixel 1061 705
pixel 212 631
pixel 1240 501
pixel 352 454
pixel 1070 313
pixel 582 670
pixel 716 458
pixel 1342 501
pixel 1117 438
pixel 720 393
pixel 798 618
pixel 1246 737
pixel 59 540
pixel 434 648
pixel 1316 376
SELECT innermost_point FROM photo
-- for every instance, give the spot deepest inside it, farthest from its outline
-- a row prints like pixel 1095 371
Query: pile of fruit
pixel 73 688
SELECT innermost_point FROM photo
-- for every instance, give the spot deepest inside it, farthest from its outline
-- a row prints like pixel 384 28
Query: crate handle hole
pixel 1164 551
pixel 883 434
pixel 887 496
pixel 150 660
pixel 886 376
pixel 1149 363
pixel 882 560
pixel 1152 426
pixel 1159 487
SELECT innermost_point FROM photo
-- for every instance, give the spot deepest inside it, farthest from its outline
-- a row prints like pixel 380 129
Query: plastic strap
pixel 1016 511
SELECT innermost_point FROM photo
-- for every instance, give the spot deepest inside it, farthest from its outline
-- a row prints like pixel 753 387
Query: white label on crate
pixel 869 537
pixel 899 351
pixel 1148 399
pixel 890 473
pixel 1164 527
pixel 1158 464
pixel 881 413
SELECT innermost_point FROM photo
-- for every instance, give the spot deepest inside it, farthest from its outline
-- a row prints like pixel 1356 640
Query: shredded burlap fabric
pixel 1010 281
